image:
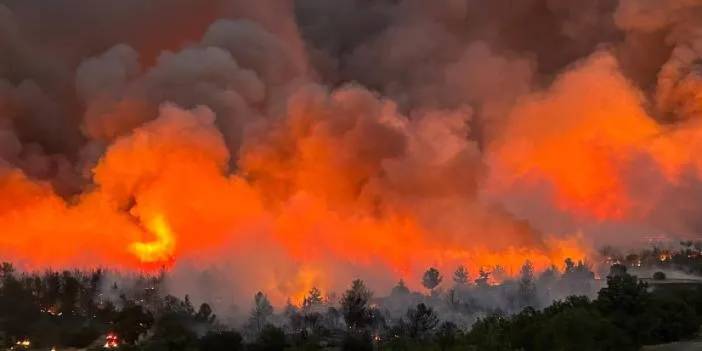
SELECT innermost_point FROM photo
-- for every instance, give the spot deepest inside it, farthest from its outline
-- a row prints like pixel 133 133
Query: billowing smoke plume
pixel 287 144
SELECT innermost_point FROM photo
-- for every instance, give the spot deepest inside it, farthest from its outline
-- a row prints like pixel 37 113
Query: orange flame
pixel 159 250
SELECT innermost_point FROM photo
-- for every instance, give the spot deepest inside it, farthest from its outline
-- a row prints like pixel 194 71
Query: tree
pixel 617 270
pixel 483 278
pixel 314 298
pixel 221 341
pixel 333 318
pixel 460 276
pixel 421 320
pixel 491 333
pixel 174 332
pixel 70 288
pixel 625 301
pixel 205 315
pixel 675 318
pixel 174 305
pixel 431 279
pixel 400 289
pixel 623 292
pixel 499 272
pixel 577 278
pixel 357 341
pixel 271 338
pixel 576 327
pixel 18 308
pixel 132 322
pixel 569 265
pixel 548 276
pixel 51 291
pixel 446 335
pixel 354 305
pixel 261 312
pixel 6 270
pixel 527 287
pixel 294 316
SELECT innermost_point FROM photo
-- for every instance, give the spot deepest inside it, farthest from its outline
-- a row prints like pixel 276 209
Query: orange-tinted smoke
pixel 590 139
pixel 315 189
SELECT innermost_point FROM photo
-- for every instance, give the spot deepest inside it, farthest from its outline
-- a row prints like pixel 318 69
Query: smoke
pixel 284 145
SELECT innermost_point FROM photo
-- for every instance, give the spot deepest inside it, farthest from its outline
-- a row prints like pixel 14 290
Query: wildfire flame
pixel 111 341
pixel 159 250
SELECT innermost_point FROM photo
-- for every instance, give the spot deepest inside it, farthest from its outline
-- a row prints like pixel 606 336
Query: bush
pixel 271 338
pixel 357 341
pixel 221 341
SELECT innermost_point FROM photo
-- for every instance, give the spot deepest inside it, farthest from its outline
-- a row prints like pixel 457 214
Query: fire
pixel 251 141
pixel 111 341
pixel 24 343
pixel 290 201
pixel 159 250
pixel 307 278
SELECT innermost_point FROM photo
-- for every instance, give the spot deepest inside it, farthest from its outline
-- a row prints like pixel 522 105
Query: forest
pixel 558 309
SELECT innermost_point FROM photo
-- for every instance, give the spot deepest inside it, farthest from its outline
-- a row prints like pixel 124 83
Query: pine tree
pixel 354 305
pixel 314 298
pixel 431 279
pixel 400 289
pixel 261 312
pixel 460 276
pixel 483 278
pixel 527 287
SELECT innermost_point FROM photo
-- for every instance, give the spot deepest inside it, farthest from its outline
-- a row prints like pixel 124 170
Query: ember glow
pixel 390 137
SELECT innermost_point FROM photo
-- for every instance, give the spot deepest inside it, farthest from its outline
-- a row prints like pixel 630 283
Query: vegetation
pixel 460 276
pixel 531 312
pixel 624 316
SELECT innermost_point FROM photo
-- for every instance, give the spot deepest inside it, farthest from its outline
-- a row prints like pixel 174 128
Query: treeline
pixel 687 257
pixel 79 309
pixel 73 309
pixel 625 315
